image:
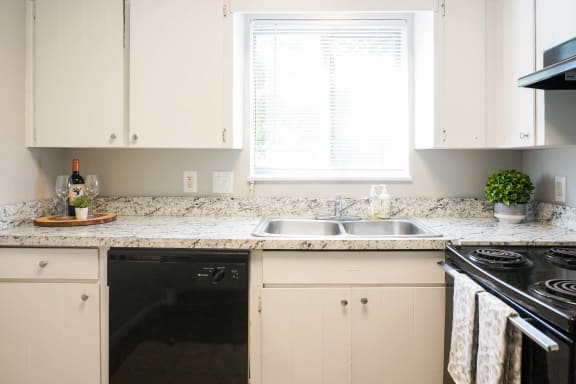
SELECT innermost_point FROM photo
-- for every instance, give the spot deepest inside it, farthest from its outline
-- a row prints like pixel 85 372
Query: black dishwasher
pixel 178 316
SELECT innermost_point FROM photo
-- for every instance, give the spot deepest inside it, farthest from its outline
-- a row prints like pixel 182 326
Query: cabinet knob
pixel 364 300
pixel 113 137
pixel 84 297
pixel 42 263
pixel 134 137
pixel 344 302
pixel 524 135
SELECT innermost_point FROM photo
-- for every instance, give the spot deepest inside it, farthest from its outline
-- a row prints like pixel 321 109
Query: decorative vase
pixel 81 213
pixel 510 214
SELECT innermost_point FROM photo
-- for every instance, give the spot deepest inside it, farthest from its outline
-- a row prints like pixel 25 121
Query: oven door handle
pixel 534 334
pixel 521 324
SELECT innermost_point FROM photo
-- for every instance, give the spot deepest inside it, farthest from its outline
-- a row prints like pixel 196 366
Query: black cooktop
pixel 540 279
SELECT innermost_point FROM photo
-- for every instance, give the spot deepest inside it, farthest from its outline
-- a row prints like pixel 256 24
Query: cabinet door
pixel 180 82
pixel 461 120
pixel 555 112
pixel 510 54
pixel 78 76
pixel 397 335
pixel 306 336
pixel 49 334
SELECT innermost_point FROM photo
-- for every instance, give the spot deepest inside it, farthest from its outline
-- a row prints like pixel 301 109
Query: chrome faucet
pixel 339 209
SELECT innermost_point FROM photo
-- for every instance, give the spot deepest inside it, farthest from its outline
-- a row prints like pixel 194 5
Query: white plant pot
pixel 81 213
pixel 510 214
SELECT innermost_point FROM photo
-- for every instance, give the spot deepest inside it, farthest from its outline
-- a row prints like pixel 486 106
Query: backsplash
pixel 16 214
pixel 557 215
pixel 285 206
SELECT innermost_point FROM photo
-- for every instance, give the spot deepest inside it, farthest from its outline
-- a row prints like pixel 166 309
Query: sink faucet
pixel 339 209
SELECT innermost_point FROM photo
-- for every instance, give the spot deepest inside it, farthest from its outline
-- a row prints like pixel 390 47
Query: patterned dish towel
pixel 462 359
pixel 499 343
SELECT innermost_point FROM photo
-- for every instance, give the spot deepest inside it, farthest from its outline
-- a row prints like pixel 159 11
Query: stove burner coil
pixel 561 290
pixel 564 257
pixel 498 258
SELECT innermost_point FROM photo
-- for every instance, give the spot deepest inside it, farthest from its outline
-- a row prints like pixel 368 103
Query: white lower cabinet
pixel 49 327
pixel 335 331
pixel 306 336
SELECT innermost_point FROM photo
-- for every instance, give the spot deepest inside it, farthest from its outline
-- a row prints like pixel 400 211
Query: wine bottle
pixel 77 187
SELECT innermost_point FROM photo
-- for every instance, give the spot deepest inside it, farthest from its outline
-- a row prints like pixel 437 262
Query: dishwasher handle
pixel 521 324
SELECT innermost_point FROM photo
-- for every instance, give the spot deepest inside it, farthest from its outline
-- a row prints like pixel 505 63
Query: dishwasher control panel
pixel 222 275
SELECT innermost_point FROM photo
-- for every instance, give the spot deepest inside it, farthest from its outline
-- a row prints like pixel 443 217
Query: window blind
pixel 330 99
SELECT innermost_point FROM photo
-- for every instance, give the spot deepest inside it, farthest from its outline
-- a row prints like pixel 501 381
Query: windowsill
pixel 327 179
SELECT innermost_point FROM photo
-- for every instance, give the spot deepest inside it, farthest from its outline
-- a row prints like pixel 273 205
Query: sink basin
pixel 363 228
pixel 388 228
pixel 297 227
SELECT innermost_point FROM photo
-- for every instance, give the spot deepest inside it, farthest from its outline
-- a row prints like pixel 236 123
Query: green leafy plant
pixel 508 186
pixel 82 201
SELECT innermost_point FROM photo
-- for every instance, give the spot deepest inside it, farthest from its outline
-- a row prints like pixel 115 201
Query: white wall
pixel 24 174
pixel 145 172
pixel 543 164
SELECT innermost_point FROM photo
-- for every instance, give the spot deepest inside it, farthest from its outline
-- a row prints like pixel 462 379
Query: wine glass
pixel 92 186
pixel 63 184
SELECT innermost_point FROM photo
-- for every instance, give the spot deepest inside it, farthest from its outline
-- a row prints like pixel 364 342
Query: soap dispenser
pixel 380 206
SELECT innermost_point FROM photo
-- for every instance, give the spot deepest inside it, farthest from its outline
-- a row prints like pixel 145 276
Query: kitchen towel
pixel 462 359
pixel 499 343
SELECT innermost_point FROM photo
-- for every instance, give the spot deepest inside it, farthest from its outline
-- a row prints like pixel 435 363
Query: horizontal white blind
pixel 329 98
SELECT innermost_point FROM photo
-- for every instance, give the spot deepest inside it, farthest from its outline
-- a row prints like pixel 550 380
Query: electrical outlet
pixel 560 189
pixel 222 182
pixel 190 181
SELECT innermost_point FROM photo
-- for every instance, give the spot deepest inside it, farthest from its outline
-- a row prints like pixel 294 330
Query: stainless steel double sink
pixel 294 227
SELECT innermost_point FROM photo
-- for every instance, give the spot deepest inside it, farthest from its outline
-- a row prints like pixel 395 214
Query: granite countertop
pixel 235 233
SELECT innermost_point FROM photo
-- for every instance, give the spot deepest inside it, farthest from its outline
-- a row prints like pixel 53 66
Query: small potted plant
pixel 81 204
pixel 510 191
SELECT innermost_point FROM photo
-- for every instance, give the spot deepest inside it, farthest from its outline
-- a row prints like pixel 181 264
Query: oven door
pixel 539 366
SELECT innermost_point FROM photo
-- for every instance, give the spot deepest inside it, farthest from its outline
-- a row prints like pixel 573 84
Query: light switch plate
pixel 222 182
pixel 560 189
pixel 190 181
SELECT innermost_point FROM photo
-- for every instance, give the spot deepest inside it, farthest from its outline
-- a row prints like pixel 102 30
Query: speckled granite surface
pixel 285 206
pixel 235 233
pixel 190 232
pixel 16 214
pixel 228 223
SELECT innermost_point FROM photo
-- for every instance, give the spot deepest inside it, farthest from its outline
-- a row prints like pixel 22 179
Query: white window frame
pixel 248 92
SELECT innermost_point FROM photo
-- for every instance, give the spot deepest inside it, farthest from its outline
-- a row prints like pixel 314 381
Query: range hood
pixel 559 70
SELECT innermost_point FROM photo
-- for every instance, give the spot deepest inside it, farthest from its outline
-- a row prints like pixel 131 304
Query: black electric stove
pixel 541 279
pixel 539 282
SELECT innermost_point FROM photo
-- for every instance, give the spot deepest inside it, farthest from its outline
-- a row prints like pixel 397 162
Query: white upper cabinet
pixel 510 54
pixel 462 80
pixel 450 76
pixel 76 73
pixel 180 74
pixel 481 48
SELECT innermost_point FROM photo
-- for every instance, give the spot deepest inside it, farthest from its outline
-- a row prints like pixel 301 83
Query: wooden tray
pixel 71 221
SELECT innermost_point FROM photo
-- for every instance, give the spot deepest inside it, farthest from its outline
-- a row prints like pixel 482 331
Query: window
pixel 329 99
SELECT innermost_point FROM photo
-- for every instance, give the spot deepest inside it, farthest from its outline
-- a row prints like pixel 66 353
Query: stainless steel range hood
pixel 559 70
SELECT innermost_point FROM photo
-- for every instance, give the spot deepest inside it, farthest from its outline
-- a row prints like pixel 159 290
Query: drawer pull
pixel 344 302
pixel 42 263
pixel 84 297
pixel 364 300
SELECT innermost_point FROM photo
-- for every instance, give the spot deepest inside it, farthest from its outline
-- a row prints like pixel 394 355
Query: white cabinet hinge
pixel 259 304
pixel 442 7
pixel 223 135
pixel 225 10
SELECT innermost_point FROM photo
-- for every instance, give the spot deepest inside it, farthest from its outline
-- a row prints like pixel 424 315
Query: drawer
pixel 48 263
pixel 352 267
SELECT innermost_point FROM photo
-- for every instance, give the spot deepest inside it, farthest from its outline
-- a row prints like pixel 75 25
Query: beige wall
pixel 24 174
pixel 543 164
pixel 436 173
